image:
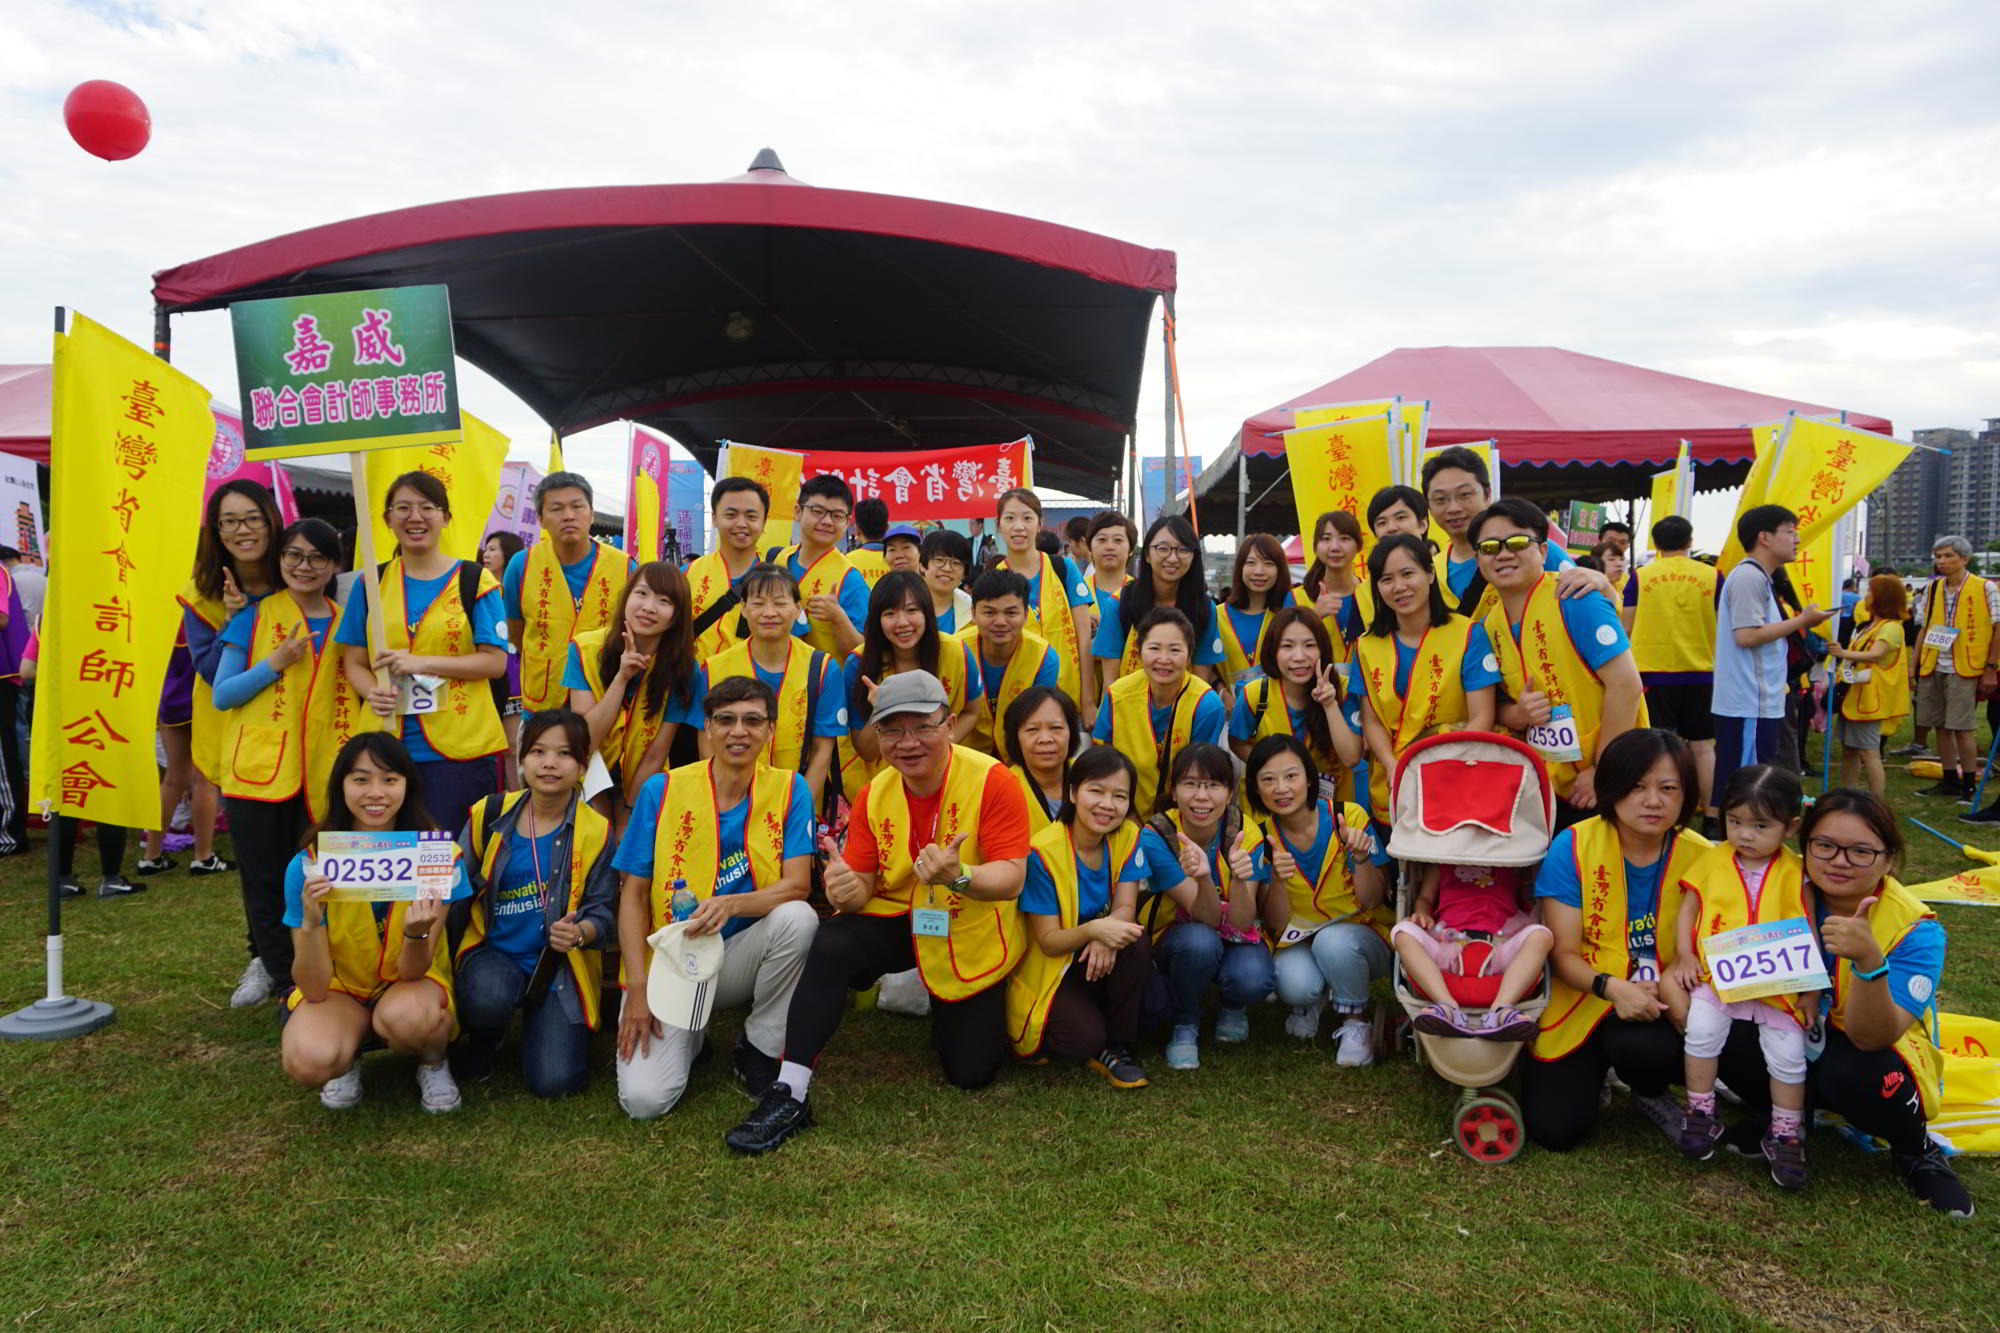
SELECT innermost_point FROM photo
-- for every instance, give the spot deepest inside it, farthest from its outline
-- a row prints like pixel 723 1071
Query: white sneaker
pixel 1356 1045
pixel 439 1089
pixel 337 1094
pixel 1303 1021
pixel 252 988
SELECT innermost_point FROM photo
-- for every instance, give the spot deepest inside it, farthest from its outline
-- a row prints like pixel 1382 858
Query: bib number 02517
pixel 1764 959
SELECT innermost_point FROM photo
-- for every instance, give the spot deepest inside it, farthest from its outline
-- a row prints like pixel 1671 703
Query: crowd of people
pixel 1058 788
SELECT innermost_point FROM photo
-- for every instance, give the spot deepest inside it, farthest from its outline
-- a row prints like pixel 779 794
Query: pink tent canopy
pixel 1549 406
pixel 24 411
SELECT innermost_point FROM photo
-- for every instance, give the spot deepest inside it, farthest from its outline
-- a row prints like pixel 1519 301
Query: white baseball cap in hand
pixel 680 983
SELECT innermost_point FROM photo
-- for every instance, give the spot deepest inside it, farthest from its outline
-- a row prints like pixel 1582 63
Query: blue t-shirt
pixel 1093 884
pixel 238 680
pixel 1111 635
pixel 1209 720
pixel 991 674
pixel 576 575
pixel 577 677
pixel 852 594
pixel 1458 573
pixel 1557 879
pixel 488 629
pixel 517 898
pixel 1163 863
pixel 1916 965
pixel 295 893
pixel 1076 586
pixel 635 849
pixel 829 718
pixel 1477 669
pixel 1593 626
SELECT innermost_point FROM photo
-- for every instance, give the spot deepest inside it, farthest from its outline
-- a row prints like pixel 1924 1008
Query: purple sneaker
pixel 1787 1156
pixel 1435 1020
pixel 1699 1131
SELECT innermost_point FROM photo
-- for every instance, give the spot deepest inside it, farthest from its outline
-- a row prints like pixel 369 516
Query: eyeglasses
pixel 291 559
pixel 732 721
pixel 821 514
pixel 897 735
pixel 944 565
pixel 244 523
pixel 1859 854
pixel 1203 787
pixel 1517 543
pixel 425 510
pixel 1166 552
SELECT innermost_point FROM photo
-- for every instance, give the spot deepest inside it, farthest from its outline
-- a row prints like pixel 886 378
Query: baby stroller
pixel 1471 799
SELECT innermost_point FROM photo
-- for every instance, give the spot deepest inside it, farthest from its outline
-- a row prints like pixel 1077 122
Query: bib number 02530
pixel 1557 738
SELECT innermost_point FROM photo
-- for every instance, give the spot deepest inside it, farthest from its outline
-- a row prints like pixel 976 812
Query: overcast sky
pixel 1799 199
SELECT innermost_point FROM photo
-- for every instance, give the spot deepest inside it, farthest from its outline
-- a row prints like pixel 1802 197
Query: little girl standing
pixel 1753 877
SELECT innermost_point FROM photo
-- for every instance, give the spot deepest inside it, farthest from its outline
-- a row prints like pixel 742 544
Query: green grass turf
pixel 163 1174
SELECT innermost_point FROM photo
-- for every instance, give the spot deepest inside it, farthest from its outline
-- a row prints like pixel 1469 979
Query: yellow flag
pixel 555 454
pixel 647 538
pixel 780 472
pixel 1415 417
pixel 1827 468
pixel 1666 486
pixel 470 470
pixel 1340 465
pixel 1767 440
pixel 1979 887
pixel 128 447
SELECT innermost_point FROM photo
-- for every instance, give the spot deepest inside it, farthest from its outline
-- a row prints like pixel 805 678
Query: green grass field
pixel 164 1174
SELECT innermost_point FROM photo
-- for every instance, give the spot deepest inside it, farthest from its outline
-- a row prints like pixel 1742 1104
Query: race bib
pixel 388 867
pixel 1556 738
pixel 933 922
pixel 1941 637
pixel 419 695
pixel 1645 968
pixel 1300 930
pixel 1851 674
pixel 1768 958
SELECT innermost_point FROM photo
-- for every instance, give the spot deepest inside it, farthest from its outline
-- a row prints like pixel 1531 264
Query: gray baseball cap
pixel 909 692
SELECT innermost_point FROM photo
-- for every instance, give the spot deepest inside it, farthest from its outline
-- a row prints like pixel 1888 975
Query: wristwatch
pixel 961 884
pixel 1598 983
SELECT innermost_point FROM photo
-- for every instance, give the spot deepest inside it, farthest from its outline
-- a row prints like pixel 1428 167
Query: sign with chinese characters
pixel 645 495
pixel 389 867
pixel 346 371
pixel 1340 464
pixel 21 524
pixel 931 483
pixel 129 444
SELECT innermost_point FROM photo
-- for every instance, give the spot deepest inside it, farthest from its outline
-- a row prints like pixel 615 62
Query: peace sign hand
pixel 233 599
pixel 631 662
pixel 1326 688
pixel 288 652
pixel 940 865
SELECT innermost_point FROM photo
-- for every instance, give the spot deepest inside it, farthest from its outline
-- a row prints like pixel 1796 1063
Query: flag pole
pixel 57 1015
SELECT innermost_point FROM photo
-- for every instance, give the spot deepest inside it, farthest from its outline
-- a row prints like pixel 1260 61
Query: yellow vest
pixel 985 942
pixel 1572 1014
pixel 364 954
pixel 1237 656
pixel 1436 698
pixel 634 729
pixel 1330 897
pixel 954 664
pixel 1271 716
pixel 708 582
pixel 466 725
pixel 1032 987
pixel 1974 619
pixel 1717 884
pixel 1050 618
pixel 823 579
pixel 551 617
pixel 1546 660
pixel 989 735
pixel 872 563
pixel 1673 627
pixel 1895 914
pixel 1132 731
pixel 788 738
pixel 1167 913
pixel 283 741
pixel 1364 607
pixel 1039 817
pixel 588 837
pixel 205 724
pixel 1886 692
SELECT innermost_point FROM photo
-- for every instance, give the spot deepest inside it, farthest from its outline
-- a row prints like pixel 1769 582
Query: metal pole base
pixel 55 1020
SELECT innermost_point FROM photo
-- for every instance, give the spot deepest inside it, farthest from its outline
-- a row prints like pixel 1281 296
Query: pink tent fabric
pixel 1548 405
pixel 24 411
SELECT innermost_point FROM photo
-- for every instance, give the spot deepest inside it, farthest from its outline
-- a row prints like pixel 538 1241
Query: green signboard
pixel 346 371
pixel 1586 521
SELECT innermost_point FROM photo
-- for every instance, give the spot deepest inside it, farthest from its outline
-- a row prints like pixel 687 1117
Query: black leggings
pixel 1559 1097
pixel 110 847
pixel 853 953
pixel 1874 1091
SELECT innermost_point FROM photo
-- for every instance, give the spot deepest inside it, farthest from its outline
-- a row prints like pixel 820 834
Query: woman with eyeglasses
pixel 1420 669
pixel 1059 599
pixel 1159 709
pixel 287 709
pixel 1172 577
pixel 1338 593
pixel 1043 728
pixel 901 634
pixel 446 639
pixel 1884 950
pixel 1605 888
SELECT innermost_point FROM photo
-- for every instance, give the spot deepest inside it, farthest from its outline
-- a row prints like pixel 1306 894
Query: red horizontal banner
pixel 932 483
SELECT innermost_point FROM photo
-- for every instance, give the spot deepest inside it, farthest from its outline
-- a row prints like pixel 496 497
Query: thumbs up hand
pixel 1193 862
pixel 843 887
pixel 1852 938
pixel 1282 865
pixel 1240 865
pixel 940 865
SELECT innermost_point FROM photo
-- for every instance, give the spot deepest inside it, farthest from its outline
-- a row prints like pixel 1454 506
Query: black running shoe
pixel 1932 1179
pixel 1120 1070
pixel 1949 786
pixel 778 1116
pixel 755 1070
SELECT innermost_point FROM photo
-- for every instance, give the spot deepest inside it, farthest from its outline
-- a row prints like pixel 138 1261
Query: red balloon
pixel 107 119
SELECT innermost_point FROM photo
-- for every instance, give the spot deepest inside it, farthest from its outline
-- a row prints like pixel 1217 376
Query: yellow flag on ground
pixel 128 447
pixel 1768 441
pixel 1969 1109
pixel 780 473
pixel 470 470
pixel 1827 468
pixel 1340 464
pixel 1979 887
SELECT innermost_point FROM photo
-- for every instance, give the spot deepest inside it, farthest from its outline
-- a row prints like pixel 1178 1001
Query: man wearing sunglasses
pixel 1572 686
pixel 937 847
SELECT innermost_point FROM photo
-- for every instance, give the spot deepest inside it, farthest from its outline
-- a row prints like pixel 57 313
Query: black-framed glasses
pixel 1166 552
pixel 821 514
pixel 291 559
pixel 1517 543
pixel 897 735
pixel 240 523
pixel 1858 854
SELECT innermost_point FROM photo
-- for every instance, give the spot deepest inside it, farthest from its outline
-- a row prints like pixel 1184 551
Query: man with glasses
pixel 834 591
pixel 1456 487
pixel 1572 687
pixel 737 834
pixel 560 587
pixel 936 851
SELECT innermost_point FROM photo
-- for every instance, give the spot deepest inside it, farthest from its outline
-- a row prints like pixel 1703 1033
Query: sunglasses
pixel 1517 543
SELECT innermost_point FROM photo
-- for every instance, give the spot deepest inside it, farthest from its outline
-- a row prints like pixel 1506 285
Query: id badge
pixel 1941 637
pixel 1556 738
pixel 933 922
pixel 419 694
pixel 1851 674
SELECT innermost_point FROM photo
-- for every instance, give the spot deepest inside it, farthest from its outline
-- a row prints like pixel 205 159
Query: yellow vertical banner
pixel 648 535
pixel 128 449
pixel 780 472
pixel 468 467
pixel 1415 416
pixel 1768 440
pixel 1340 465
pixel 1812 577
pixel 1828 468
pixel 1665 486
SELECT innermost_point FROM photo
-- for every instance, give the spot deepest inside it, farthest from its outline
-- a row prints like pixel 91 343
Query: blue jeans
pixel 1339 961
pixel 555 1052
pixel 1192 955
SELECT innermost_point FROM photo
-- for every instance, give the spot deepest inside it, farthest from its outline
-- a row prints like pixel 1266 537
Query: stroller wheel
pixel 1487 1128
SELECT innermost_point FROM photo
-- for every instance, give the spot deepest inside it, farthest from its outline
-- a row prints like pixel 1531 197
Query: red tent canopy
pixel 1549 406
pixel 24 411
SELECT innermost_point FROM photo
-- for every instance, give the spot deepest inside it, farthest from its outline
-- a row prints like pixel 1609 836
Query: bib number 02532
pixel 388 867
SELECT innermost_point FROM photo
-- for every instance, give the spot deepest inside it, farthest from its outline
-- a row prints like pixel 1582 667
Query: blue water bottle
pixel 683 901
